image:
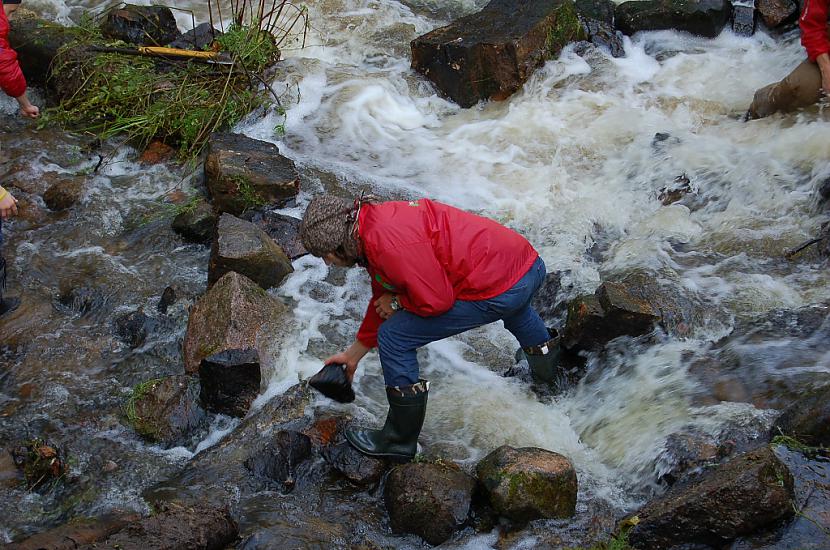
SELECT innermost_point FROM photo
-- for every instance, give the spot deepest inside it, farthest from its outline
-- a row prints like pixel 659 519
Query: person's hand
pixel 350 358
pixel 383 306
pixel 8 205
pixel 825 83
pixel 26 108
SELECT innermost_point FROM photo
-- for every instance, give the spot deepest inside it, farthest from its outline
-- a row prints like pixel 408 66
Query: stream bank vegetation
pixel 179 101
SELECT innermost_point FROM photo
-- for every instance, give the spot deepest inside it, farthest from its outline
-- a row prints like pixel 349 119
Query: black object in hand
pixel 332 382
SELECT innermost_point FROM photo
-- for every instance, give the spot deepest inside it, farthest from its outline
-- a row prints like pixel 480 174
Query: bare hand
pixel 30 111
pixel 383 306
pixel 8 206
pixel 350 358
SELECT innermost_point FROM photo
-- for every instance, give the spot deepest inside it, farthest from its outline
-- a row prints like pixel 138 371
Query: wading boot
pixel 7 305
pixel 398 439
pixel 543 359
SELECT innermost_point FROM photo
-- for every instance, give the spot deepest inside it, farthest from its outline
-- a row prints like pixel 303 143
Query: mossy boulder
pixel 165 410
pixel 233 314
pixel 807 419
pixel 528 483
pixel 431 500
pixel 243 247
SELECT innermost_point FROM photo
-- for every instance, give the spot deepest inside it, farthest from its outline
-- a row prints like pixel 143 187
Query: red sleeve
pixel 425 289
pixel 813 25
pixel 11 77
pixel 368 331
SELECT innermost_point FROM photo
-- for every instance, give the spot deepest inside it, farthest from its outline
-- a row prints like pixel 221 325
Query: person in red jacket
pixel 12 81
pixel 809 81
pixel 435 271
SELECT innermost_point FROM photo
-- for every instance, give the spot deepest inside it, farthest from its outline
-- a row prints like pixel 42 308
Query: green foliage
pixel 795 445
pixel 254 48
pixel 566 28
pixel 130 409
pixel 166 210
pixel 249 196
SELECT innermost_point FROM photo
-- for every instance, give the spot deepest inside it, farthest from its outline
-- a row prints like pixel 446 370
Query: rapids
pixel 570 161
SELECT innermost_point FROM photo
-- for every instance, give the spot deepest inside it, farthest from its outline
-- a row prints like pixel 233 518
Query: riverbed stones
pixel 490 54
pixel 231 315
pixel 165 410
pixel 196 222
pixel 360 469
pixel 230 381
pixel 612 311
pixel 243 172
pixel 141 25
pixel 701 17
pixel 807 419
pixel 242 247
pixel 77 533
pixel 64 192
pixel 750 492
pixel 776 12
pixel 431 500
pixel 528 483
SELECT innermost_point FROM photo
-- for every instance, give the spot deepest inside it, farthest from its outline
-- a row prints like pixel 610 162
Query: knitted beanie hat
pixel 327 226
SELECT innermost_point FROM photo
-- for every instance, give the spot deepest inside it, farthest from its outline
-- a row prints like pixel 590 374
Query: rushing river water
pixel 570 161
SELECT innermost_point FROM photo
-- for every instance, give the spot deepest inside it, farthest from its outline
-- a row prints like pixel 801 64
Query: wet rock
pixel 168 298
pixel 285 230
pixel 807 419
pixel 165 410
pixel 279 459
pixel 10 474
pixel 43 464
pixel 229 316
pixel 743 19
pixel 603 36
pixel 157 152
pixel 83 300
pixel 701 17
pixel 65 192
pixel 37 42
pixel 599 10
pixel 612 311
pixel 196 223
pixel 242 173
pixel 358 468
pixel 230 381
pixel 683 453
pixel 198 38
pixel 490 54
pixel 77 533
pixel 775 13
pixel 431 500
pixel 242 247
pixel 748 493
pixel 141 25
pixel 177 527
pixel 133 327
pixel 528 483
pixel 676 191
pixel 326 429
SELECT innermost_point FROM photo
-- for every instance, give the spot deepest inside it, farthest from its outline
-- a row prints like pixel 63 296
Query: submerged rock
pixel 78 532
pixel 278 460
pixel 358 468
pixel 807 419
pixel 165 410
pixel 229 316
pixel 43 464
pixel 141 25
pixel 242 247
pixel 701 17
pixel 431 500
pixel 196 223
pixel 243 173
pixel 748 493
pixel 230 381
pixel 528 483
pixel 64 192
pixel 133 327
pixel 490 54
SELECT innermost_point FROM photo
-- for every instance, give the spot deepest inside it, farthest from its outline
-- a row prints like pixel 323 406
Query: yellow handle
pixel 175 52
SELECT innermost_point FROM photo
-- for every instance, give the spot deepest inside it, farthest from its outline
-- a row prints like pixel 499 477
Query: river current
pixel 570 161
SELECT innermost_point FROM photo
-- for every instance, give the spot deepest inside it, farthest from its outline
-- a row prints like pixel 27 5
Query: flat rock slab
pixel 701 17
pixel 490 54
pixel 78 532
pixel 750 492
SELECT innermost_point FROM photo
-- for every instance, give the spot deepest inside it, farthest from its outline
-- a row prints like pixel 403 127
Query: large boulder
pixel 165 410
pixel 490 54
pixel 196 222
pixel 807 419
pixel 230 315
pixel 528 483
pixel 612 311
pixel 431 500
pixel 285 230
pixel 64 192
pixel 701 17
pixel 37 43
pixel 243 247
pixel 243 173
pixel 230 381
pixel 141 25
pixel 776 12
pixel 750 492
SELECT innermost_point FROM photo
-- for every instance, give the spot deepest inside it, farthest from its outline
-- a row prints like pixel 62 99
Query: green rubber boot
pixel 543 359
pixel 7 305
pixel 398 439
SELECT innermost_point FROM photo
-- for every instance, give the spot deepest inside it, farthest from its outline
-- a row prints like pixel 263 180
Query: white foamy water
pixel 568 161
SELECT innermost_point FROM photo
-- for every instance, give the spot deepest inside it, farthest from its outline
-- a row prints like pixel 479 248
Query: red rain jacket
pixel 431 255
pixel 11 77
pixel 813 25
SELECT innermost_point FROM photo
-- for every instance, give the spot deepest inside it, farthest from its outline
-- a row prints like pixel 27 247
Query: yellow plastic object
pixel 175 52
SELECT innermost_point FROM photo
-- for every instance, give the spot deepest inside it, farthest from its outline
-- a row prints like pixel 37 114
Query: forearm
pixel 357 351
pixel 823 62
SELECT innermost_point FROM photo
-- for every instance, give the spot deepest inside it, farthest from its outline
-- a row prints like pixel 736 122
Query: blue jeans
pixel 403 333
